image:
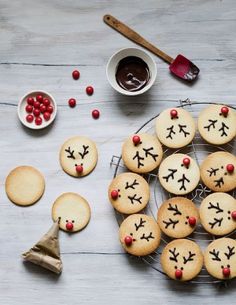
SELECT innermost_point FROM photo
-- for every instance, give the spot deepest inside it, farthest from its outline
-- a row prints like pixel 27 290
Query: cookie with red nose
pixel 182 259
pixel 220 258
pixel 72 211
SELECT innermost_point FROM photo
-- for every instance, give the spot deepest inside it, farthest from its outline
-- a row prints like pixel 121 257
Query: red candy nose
pixel 128 240
pixel 233 215
pixel 224 110
pixel 230 168
pixel 186 162
pixel 192 221
pixel 69 226
pixel 226 272
pixel 79 169
pixel 136 139
pixel 173 113
pixel 178 273
pixel 114 194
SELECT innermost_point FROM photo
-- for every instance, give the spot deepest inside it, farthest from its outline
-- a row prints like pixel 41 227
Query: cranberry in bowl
pixel 37 109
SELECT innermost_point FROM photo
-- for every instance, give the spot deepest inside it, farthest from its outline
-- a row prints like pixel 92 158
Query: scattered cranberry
pixel 75 74
pixel 72 102
pixel 173 113
pixel 226 272
pixel 38 120
pixel 30 101
pixel 136 139
pixel 114 194
pixel 50 109
pixel 89 90
pixel 39 98
pixel 69 226
pixel 36 112
pixel 128 240
pixel 230 168
pixel 46 102
pixel 233 215
pixel 224 110
pixel 37 105
pixel 192 221
pixel 79 169
pixel 29 118
pixel 178 273
pixel 43 108
pixel 186 162
pixel 29 108
pixel 47 116
pixel 95 114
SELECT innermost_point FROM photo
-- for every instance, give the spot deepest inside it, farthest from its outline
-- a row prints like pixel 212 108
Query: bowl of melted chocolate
pixel 131 71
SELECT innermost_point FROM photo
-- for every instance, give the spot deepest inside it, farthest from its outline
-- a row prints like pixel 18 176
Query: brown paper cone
pixel 46 252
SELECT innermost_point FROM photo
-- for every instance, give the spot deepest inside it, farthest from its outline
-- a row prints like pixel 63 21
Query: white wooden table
pixel 41 42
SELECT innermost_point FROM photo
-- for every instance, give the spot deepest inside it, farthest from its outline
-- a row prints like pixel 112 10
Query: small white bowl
pixel 22 112
pixel 113 64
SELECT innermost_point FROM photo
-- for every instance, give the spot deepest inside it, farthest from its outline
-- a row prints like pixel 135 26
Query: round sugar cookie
pixel 218 171
pixel 177 217
pixel 24 185
pixel 218 213
pixel 129 193
pixel 179 174
pixel 142 153
pixel 175 127
pixel 78 156
pixel 216 127
pixel 139 234
pixel 182 259
pixel 220 258
pixel 72 211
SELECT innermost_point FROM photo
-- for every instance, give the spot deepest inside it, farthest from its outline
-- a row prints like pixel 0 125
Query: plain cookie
pixel 24 185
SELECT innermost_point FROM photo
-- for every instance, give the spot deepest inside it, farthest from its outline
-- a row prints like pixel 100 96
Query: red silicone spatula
pixel 180 66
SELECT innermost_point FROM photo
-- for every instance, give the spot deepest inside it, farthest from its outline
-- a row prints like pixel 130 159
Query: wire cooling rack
pixel 198 150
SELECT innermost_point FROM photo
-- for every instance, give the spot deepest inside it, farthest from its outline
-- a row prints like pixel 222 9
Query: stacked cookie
pixel 179 174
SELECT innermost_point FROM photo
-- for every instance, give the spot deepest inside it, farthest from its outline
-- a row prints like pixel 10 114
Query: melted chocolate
pixel 132 73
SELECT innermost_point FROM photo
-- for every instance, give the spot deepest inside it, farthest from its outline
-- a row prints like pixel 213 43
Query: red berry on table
pixel 128 240
pixel 43 108
pixel 79 169
pixel 192 221
pixel 36 112
pixel 29 118
pixel 69 226
pixel 95 114
pixel 37 104
pixel 75 74
pixel 224 110
pixel 39 98
pixel 72 102
pixel 230 168
pixel 114 194
pixel 30 100
pixel 47 116
pixel 50 109
pixel 89 90
pixel 173 113
pixel 186 162
pixel 38 120
pixel 226 272
pixel 233 215
pixel 136 139
pixel 29 108
pixel 178 273
pixel 46 102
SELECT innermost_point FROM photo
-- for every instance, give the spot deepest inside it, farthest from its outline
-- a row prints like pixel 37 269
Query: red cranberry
pixel 37 104
pixel 50 109
pixel 75 74
pixel 226 272
pixel 36 112
pixel 178 274
pixel 192 221
pixel 128 240
pixel 72 102
pixel 89 90
pixel 39 98
pixel 95 114
pixel 29 108
pixel 233 215
pixel 46 102
pixel 230 168
pixel 173 113
pixel 114 194
pixel 30 101
pixel 43 108
pixel 47 116
pixel 29 118
pixel 136 139
pixel 79 169
pixel 38 120
pixel 224 110
pixel 186 162
pixel 69 226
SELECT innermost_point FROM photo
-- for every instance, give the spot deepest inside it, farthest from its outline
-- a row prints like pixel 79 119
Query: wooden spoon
pixel 180 66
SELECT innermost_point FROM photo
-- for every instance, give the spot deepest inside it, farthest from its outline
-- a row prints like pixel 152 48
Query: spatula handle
pixel 132 35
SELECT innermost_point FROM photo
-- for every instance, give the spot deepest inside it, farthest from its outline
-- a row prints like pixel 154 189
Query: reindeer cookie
pixel 217 124
pixel 220 258
pixel 218 171
pixel 142 153
pixel 139 234
pixel 177 217
pixel 78 156
pixel 179 174
pixel 175 127
pixel 129 193
pixel 218 213
pixel 72 211
pixel 182 259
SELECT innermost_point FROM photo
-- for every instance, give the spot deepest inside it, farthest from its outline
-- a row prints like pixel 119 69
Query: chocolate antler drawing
pixel 215 255
pixel 219 182
pixel 182 180
pixel 217 207
pixel 132 185
pixel 216 221
pixel 212 124
pixel 134 198
pixel 139 159
pixel 147 237
pixel 181 129
pixel 85 151
pixel 140 225
pixel 212 171
pixel 231 252
pixel 171 131
pixel 223 128
pixel 71 153
pixel 148 153
pixel 174 255
pixel 189 258
pixel 174 209
pixel 170 222
pixel 171 175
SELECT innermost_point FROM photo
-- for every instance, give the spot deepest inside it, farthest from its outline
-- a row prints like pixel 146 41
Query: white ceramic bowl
pixel 22 112
pixel 117 57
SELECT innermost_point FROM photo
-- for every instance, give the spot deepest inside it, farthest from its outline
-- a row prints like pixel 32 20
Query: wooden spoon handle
pixel 132 35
